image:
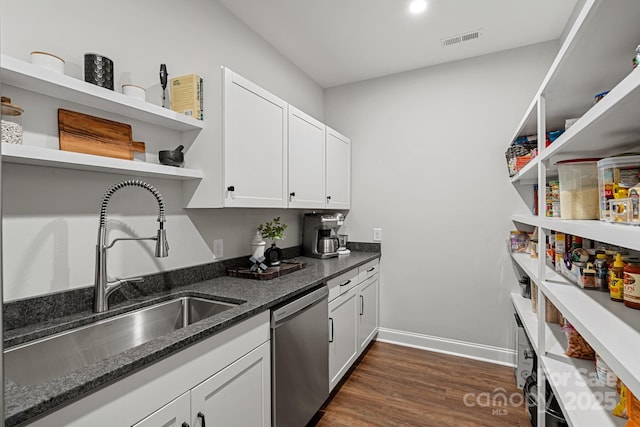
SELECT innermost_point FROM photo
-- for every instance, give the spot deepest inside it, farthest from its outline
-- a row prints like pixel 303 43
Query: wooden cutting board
pixel 86 134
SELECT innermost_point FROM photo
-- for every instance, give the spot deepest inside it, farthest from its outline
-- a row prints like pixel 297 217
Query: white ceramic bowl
pixel 134 91
pixel 48 61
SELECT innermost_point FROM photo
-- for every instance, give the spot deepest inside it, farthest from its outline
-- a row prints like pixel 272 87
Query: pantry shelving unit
pixel 24 75
pixel 594 57
pixel 584 403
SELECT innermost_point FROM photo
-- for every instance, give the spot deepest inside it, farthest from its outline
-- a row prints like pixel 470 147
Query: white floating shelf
pixel 24 75
pixel 572 380
pixel 37 156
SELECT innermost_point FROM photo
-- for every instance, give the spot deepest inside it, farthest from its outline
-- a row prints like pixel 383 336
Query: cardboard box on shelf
pixel 186 96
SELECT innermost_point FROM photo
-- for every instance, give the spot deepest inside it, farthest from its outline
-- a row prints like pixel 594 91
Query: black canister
pixel 98 70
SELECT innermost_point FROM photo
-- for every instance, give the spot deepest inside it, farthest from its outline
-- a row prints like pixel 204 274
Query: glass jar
pixel 11 121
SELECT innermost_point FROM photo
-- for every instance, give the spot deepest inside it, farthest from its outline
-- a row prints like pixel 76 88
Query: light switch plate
pixel 377 234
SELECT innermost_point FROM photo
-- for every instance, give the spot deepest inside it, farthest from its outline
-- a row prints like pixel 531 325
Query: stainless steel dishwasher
pixel 300 359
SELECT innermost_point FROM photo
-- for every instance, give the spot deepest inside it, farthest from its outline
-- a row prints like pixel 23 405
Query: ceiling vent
pixel 460 38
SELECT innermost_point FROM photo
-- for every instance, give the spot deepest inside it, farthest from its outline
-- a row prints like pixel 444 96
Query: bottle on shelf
pixel 632 285
pixel 602 272
pixel 616 279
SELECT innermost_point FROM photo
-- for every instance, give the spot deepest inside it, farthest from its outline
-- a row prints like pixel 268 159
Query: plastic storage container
pixel 618 179
pixel 578 189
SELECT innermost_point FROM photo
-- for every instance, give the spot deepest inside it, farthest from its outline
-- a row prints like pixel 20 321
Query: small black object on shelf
pixel 172 157
pixel 98 70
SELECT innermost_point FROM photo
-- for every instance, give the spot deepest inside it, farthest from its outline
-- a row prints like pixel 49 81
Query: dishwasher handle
pixel 279 315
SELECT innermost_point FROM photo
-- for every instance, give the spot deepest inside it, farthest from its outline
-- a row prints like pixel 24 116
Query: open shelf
pixel 24 75
pixel 591 60
pixel 613 119
pixel 627 236
pixel 572 380
pixel 611 328
pixel 37 156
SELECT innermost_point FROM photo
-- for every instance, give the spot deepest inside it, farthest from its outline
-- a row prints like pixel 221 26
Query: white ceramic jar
pixel 48 61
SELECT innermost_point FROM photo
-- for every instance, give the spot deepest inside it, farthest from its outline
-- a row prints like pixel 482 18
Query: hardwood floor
pixel 401 386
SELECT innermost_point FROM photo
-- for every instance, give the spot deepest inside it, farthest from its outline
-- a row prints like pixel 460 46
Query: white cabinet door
pixel 343 335
pixel 176 413
pixel 239 395
pixel 338 170
pixel 306 161
pixel 368 311
pixel 254 145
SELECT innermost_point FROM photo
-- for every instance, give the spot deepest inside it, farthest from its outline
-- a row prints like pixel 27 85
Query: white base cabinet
pixel 353 317
pixel 173 414
pixel 368 312
pixel 343 335
pixel 226 378
pixel 239 395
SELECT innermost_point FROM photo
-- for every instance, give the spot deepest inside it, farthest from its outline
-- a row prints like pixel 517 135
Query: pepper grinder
pixel 163 82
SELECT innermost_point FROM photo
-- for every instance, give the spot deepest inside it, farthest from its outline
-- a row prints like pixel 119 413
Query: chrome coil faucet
pixel 103 288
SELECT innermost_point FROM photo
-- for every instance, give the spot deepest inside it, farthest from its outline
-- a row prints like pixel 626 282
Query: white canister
pixel 257 246
pixel 134 91
pixel 48 61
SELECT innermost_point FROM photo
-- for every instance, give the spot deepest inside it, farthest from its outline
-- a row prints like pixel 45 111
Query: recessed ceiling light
pixel 417 6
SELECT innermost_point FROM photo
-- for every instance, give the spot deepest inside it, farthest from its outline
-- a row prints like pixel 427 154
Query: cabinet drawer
pixel 341 284
pixel 368 270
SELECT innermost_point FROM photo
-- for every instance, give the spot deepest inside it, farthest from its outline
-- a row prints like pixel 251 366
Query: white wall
pixel 429 168
pixel 50 215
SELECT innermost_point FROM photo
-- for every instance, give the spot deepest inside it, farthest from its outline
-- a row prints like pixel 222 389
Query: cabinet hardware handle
pixel 345 283
pixel 361 305
pixel 293 194
pixel 201 415
pixel 231 188
pixel 371 269
pixel 328 199
pixel 185 424
pixel 331 320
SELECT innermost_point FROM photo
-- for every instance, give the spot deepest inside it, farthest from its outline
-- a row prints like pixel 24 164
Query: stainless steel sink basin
pixel 38 361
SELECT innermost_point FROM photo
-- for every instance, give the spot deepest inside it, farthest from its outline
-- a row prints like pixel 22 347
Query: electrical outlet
pixel 218 248
pixel 377 234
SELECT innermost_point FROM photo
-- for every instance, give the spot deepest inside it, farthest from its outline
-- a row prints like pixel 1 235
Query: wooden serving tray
pixel 284 268
pixel 86 134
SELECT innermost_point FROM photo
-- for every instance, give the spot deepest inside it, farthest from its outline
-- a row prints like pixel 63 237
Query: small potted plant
pixel 274 231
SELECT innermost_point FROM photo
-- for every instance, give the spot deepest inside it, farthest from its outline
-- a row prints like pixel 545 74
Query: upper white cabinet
pixel 338 170
pixel 306 161
pixel 254 145
pixel 276 156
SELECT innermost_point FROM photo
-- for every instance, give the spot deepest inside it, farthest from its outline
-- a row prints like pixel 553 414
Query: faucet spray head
pixel 162 246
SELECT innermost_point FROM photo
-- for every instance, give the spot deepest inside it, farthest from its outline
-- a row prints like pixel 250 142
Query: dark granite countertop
pixel 25 402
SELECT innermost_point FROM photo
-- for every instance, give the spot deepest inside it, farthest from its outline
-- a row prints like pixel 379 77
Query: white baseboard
pixel 485 353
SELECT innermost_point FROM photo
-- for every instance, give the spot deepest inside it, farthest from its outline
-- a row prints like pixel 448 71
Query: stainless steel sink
pixel 38 361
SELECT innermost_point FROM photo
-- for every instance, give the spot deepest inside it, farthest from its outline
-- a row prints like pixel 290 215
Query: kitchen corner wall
pixel 429 169
pixel 50 216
